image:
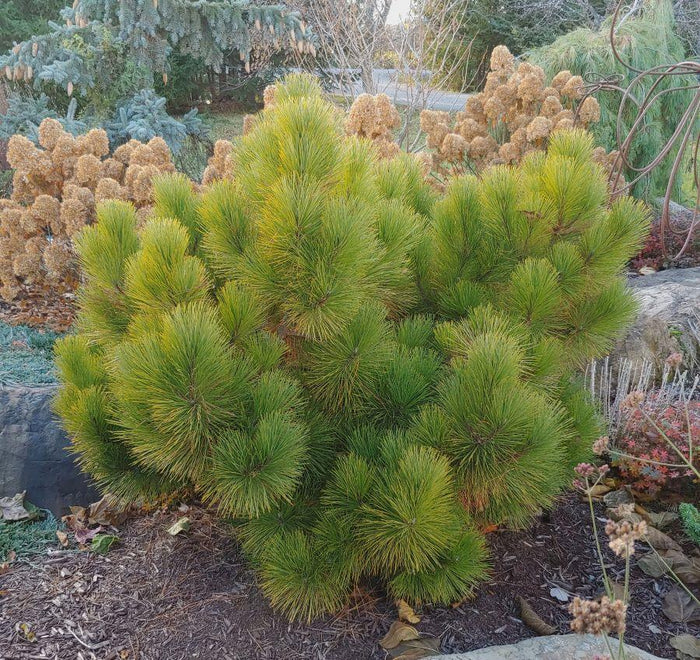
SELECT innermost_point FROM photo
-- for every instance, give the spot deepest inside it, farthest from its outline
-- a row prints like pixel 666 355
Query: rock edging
pixel 554 647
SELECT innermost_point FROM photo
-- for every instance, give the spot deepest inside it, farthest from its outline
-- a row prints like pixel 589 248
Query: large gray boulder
pixel 668 320
pixel 33 454
pixel 555 647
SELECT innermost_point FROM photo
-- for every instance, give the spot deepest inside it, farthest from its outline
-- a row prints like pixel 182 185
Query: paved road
pixel 387 82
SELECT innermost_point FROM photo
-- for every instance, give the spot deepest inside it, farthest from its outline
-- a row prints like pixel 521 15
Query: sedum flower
pixel 600 446
pixel 598 617
pixel 623 534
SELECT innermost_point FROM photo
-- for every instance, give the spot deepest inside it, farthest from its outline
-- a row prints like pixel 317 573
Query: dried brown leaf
pixel 597 491
pixel 679 606
pixel 399 632
pixel 406 612
pixel 687 646
pixel 109 511
pixel 660 541
pixel 652 565
pixel 533 620
pixel 424 647
pixel 84 535
pixel 12 508
pixel 62 538
pixel 662 519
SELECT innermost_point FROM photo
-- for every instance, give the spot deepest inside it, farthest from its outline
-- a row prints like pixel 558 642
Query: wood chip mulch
pixel 161 597
pixel 37 308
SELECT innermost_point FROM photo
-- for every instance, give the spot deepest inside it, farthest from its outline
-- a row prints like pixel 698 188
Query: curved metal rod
pixel 683 134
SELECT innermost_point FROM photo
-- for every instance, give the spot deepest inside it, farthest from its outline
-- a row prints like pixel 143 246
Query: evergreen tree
pixel 20 19
pixel 108 53
pixel 355 371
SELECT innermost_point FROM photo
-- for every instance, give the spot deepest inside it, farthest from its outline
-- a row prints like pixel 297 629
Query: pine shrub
pixel 357 372
pixel 56 187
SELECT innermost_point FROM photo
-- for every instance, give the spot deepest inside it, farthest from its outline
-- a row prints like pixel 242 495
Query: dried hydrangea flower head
pixel 516 113
pixel 56 187
pixel 601 617
pixel 220 165
pixel 374 118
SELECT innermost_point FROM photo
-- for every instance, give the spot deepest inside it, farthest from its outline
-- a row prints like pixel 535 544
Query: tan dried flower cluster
pixel 515 113
pixel 623 534
pixel 220 164
pixel 374 118
pixel 56 187
pixel 598 617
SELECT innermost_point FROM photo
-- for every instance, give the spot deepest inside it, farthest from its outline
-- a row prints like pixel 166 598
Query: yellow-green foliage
pixel 353 369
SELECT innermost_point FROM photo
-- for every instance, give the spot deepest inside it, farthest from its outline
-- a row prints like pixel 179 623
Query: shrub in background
pixel 20 19
pixel 646 39
pixel 519 25
pixel 56 186
pixel 355 371
pixel 516 113
pixel 107 54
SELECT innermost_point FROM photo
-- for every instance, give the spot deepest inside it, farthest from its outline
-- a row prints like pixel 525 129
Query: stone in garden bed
pixel 555 647
pixel 668 319
pixel 33 454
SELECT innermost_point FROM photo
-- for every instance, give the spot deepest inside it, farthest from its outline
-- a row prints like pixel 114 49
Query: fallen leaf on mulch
pixel 406 612
pixel 12 508
pixel 27 632
pixel 83 534
pixel 660 541
pixel 663 519
pixel 102 543
pixel 652 565
pixel 596 492
pixel 615 498
pixel 679 607
pixel 686 646
pixel 416 649
pixel 182 525
pixel 62 538
pixel 533 620
pixel 109 511
pixel 687 569
pixel 398 632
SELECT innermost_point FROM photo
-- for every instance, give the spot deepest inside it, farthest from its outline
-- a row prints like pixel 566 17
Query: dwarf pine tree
pixel 358 373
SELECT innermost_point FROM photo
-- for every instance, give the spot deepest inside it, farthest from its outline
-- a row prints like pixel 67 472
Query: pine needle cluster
pixel 358 372
pixel 56 188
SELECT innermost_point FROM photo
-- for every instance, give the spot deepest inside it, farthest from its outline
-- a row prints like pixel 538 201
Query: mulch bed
pixel 156 596
pixel 39 309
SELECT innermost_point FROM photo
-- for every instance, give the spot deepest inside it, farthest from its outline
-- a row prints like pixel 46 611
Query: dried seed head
pixel 623 534
pixel 598 617
pixel 600 446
